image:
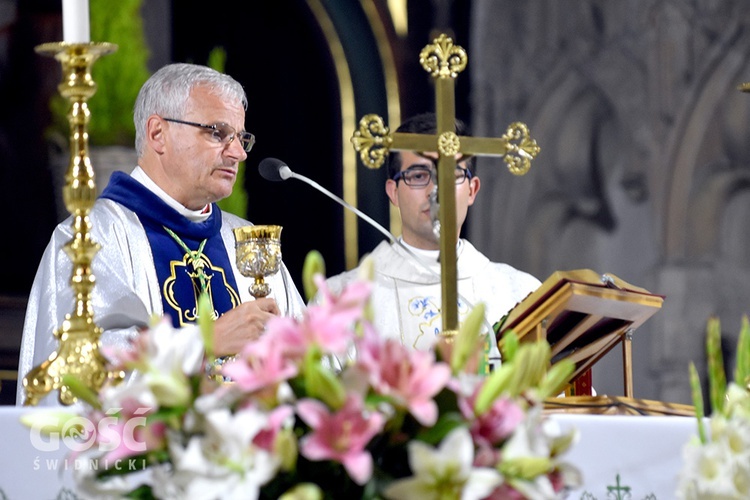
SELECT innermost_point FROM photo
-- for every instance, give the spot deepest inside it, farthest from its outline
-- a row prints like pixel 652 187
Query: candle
pixel 76 21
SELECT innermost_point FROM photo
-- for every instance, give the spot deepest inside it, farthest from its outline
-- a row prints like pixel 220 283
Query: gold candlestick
pixel 79 351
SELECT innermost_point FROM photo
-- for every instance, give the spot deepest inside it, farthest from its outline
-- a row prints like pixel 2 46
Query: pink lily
pixel 328 324
pixel 277 419
pixel 341 436
pixel 349 304
pixel 126 434
pixel 317 330
pixel 411 378
pixel 260 365
pixel 494 426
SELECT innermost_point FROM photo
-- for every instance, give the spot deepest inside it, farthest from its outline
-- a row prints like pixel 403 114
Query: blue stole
pixel 176 270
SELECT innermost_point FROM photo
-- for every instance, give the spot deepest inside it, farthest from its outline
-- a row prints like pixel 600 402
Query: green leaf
pixel 217 59
pixel 142 492
pixel 445 424
pixel 118 76
pixel 499 380
pixel 170 415
pixel 717 382
pixel 697 393
pixel 236 203
pixel 742 368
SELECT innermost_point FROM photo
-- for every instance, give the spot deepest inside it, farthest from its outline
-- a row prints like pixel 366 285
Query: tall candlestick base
pixel 79 350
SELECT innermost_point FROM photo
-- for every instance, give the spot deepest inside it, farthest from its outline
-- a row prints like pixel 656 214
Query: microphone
pixel 275 170
pixel 272 169
pixel 434 211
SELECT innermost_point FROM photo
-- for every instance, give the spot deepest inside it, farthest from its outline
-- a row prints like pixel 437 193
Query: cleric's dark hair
pixel 425 123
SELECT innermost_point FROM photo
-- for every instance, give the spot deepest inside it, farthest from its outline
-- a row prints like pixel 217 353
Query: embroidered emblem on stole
pixel 184 284
pixel 427 311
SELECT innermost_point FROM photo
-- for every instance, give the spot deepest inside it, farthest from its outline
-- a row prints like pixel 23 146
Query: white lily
pixel 172 355
pixel 445 472
pixel 738 401
pixel 528 456
pixel 137 391
pixel 176 349
pixel 223 463
pixel 89 486
pixel 705 473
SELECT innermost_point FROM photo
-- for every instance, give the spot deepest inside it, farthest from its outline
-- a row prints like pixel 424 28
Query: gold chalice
pixel 258 255
pixel 258 251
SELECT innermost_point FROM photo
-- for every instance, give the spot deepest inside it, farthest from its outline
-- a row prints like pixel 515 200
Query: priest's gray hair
pixel 167 92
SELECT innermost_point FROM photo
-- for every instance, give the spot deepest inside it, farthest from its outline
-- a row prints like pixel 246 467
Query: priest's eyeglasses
pixel 419 176
pixel 223 133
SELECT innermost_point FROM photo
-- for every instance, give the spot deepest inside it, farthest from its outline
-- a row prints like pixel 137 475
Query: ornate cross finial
pixel 374 141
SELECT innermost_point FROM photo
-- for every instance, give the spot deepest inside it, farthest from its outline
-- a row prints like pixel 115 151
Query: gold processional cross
pixel 373 141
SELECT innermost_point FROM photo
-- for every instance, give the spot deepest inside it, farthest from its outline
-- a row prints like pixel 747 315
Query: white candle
pixel 76 21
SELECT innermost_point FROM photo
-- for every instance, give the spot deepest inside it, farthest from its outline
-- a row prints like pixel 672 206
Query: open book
pixel 583 315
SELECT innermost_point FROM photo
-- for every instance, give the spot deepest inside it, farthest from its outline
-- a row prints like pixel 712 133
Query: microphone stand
pixel 291 174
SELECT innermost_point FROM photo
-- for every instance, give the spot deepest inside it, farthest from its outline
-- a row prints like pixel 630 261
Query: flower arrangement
pixel 302 418
pixel 717 463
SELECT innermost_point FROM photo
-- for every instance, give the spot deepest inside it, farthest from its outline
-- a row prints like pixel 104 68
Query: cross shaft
pixel 373 141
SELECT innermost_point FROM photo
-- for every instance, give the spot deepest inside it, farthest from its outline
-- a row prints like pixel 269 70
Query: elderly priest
pixel 163 238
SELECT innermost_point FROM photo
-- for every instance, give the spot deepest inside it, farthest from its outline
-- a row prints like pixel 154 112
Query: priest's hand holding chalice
pixel 258 256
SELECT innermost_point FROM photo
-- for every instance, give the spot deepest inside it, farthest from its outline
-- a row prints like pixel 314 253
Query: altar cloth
pixel 620 454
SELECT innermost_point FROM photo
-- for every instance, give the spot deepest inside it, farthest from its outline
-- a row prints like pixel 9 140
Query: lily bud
pixel 321 383
pixel 170 389
pixel 55 422
pixel 303 491
pixel 493 387
pixel 525 468
pixel 556 378
pixel 314 264
pixel 468 341
pixel 81 390
pixel 285 447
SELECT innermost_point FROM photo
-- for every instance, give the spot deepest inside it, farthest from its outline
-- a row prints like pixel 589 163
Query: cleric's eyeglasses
pixel 223 133
pixel 419 176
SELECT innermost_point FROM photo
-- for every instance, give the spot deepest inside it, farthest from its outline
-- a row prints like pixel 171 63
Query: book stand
pixel 583 315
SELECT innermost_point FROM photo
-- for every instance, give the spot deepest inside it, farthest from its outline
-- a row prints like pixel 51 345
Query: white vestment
pixel 127 293
pixel 406 296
